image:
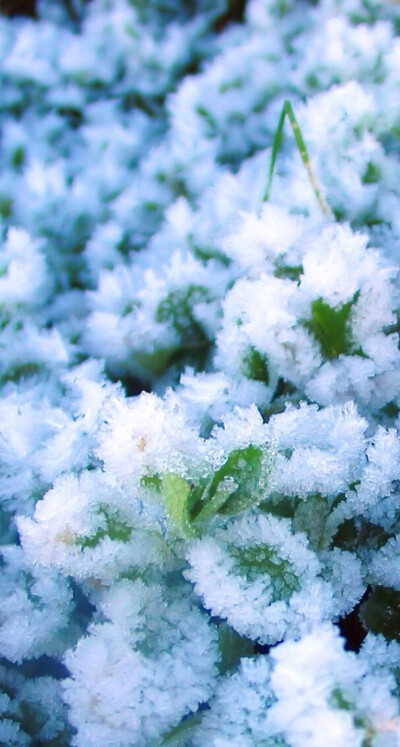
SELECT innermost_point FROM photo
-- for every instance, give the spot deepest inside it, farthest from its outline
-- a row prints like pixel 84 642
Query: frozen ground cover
pixel 200 374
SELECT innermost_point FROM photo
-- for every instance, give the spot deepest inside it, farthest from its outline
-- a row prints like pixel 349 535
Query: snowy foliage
pixel 200 375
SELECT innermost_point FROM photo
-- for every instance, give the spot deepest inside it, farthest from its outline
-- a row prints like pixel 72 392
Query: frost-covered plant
pixel 158 645
pixel 31 709
pixel 200 374
pixel 300 691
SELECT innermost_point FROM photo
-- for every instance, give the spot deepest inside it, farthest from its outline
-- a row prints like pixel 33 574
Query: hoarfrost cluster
pixel 200 410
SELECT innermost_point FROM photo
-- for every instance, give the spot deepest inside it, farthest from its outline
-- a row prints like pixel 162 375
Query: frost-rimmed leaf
pixel 255 573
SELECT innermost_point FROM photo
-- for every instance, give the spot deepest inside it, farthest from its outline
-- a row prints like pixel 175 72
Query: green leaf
pixel 151 481
pixel 372 174
pixel 236 485
pixel 292 272
pixel 208 117
pixel 258 560
pixel 281 506
pixel 177 308
pixel 6 207
pixel 155 361
pixel 113 527
pixel 340 700
pixel 245 467
pixel 354 534
pixel 255 366
pixel 330 326
pixel 182 731
pixel 176 493
pixel 310 517
pixel 18 156
pixel 381 612
pixel 233 647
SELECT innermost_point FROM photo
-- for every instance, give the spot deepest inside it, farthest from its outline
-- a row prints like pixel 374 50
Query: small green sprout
pixel 237 485
pixel 287 111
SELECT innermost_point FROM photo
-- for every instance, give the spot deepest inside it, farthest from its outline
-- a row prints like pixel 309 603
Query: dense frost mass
pixel 200 387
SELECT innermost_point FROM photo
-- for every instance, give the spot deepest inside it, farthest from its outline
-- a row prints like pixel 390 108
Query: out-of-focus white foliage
pixel 319 686
pixel 138 673
pixel 301 691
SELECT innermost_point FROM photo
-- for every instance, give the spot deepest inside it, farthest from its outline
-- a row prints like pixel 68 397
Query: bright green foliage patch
pixel 255 366
pixel 151 481
pixel 330 326
pixel 372 174
pixel 236 485
pixel 176 493
pixel 232 488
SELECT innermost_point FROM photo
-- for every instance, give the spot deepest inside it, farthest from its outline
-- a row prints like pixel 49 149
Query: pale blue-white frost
pixel 199 420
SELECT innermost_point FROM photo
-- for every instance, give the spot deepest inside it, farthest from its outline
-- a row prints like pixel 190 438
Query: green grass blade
pixel 275 148
pixel 287 111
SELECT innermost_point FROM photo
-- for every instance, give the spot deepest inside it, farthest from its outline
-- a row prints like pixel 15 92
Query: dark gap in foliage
pixel 84 609
pixel 132 385
pixel 18 8
pixel 261 648
pixel 380 613
pixel 234 14
pixel 44 666
pixel 352 629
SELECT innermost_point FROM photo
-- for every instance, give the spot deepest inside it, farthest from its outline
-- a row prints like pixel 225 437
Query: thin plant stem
pixel 287 111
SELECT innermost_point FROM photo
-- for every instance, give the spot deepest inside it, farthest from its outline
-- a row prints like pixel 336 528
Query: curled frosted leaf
pixel 256 574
